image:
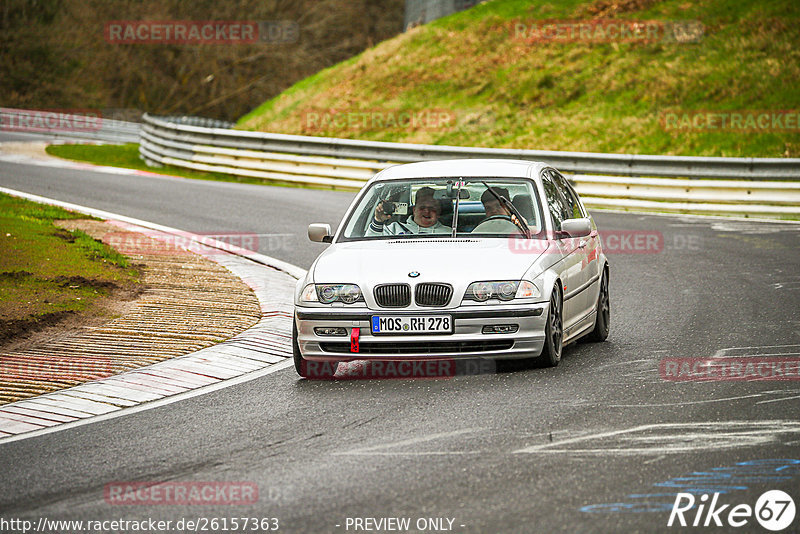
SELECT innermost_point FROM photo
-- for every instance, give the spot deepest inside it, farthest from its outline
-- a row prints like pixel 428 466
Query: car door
pixel 590 270
pixel 570 267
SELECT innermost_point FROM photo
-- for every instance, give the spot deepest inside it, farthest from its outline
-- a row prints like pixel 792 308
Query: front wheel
pixel 553 332
pixel 600 332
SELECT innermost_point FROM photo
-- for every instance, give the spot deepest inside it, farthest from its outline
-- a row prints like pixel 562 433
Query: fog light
pixel 500 328
pixel 330 331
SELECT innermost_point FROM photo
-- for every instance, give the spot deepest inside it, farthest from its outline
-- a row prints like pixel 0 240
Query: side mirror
pixel 321 233
pixel 577 227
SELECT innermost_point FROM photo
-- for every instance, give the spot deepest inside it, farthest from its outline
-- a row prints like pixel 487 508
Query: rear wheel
pixel 308 369
pixel 553 332
pixel 600 332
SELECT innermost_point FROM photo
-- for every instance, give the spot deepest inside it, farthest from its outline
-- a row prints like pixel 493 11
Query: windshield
pixel 432 207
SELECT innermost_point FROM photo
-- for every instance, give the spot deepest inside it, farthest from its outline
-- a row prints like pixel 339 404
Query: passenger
pixel 424 220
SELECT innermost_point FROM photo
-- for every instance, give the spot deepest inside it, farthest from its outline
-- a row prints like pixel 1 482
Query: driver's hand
pixel 380 216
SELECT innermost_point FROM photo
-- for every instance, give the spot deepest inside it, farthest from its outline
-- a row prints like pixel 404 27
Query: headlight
pixel 504 290
pixel 480 291
pixel 349 293
pixel 329 293
pixel 507 290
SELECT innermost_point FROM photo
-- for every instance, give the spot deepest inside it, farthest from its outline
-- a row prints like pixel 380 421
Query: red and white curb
pixel 262 349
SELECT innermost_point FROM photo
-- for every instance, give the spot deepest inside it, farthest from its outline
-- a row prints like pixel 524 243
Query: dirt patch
pixel 65 235
pixel 20 334
pixel 18 329
pixel 15 275
pixel 82 281
pixel 27 321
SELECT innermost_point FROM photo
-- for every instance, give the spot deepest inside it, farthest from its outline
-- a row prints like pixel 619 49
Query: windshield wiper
pixel 516 217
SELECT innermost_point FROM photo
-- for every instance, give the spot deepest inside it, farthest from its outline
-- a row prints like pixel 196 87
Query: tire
pixel 601 323
pixel 554 331
pixel 322 370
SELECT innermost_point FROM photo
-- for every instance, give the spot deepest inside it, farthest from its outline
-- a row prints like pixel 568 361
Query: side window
pixel 559 209
pixel 574 206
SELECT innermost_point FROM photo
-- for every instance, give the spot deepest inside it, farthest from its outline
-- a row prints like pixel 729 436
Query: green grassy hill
pixel 498 88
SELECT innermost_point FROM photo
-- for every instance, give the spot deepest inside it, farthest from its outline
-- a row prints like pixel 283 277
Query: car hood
pixel 439 260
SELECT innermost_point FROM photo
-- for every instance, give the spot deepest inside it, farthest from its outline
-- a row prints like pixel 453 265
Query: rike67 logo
pixel 774 510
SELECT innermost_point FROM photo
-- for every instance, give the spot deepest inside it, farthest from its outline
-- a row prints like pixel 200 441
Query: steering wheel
pixel 497 217
pixel 502 228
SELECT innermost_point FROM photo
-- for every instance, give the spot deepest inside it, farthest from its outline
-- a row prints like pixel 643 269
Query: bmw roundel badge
pixel 413 274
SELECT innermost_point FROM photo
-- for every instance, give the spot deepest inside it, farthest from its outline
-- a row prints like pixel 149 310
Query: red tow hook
pixel 355 333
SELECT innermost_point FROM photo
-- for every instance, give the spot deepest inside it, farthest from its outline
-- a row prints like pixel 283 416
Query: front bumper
pixel 467 340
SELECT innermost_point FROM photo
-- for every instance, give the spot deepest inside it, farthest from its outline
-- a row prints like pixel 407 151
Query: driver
pixel 425 218
pixel 498 217
pixel 491 205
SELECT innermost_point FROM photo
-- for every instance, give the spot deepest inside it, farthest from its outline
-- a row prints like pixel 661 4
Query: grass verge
pixel 48 273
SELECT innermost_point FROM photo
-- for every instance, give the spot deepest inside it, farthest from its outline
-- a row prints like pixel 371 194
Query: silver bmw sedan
pixel 453 259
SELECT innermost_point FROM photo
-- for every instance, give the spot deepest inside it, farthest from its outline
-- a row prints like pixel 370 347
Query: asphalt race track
pixel 601 443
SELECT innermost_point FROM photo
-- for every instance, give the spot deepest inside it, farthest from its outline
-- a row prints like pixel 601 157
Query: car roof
pixel 462 167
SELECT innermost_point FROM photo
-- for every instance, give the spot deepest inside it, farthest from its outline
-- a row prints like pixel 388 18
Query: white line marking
pixel 628 362
pixel 683 403
pixel 717 435
pixel 759 355
pixel 721 352
pixel 535 448
pixel 778 400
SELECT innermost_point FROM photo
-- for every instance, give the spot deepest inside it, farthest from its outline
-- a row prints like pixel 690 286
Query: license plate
pixel 386 324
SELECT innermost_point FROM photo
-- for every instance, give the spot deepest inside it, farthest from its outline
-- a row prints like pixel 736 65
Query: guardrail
pixel 88 125
pixel 603 180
